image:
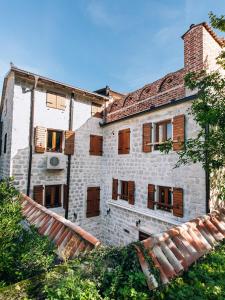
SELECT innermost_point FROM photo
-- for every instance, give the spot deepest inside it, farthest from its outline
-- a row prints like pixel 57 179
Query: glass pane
pixel 160 133
pixel 49 142
pixel 169 197
pixel 47 197
pixel 169 131
pixel 58 141
pixel 162 198
pixel 57 196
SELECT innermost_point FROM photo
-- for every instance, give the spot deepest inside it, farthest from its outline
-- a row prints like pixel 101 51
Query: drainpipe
pixel 207 175
pixel 31 131
pixel 69 157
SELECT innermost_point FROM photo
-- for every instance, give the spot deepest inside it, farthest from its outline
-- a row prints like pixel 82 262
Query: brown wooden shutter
pixel 40 139
pixel 51 100
pixel 96 145
pixel 131 191
pixel 115 189
pixel 38 194
pixel 178 202
pixel 124 141
pixel 151 196
pixel 147 137
pixel 61 102
pixel 65 196
pixel 69 142
pixel 178 132
pixel 93 202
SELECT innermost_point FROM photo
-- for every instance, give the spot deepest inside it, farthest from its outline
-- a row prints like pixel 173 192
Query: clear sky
pixel 92 43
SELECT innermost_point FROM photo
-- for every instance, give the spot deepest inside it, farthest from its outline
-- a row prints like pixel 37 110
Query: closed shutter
pixel 65 196
pixel 51 100
pixel 40 139
pixel 151 196
pixel 178 206
pixel 124 141
pixel 93 202
pixel 131 191
pixel 61 102
pixel 147 137
pixel 96 145
pixel 178 132
pixel 38 194
pixel 69 142
pixel 114 189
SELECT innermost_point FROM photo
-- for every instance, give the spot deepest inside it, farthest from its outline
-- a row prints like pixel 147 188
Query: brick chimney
pixel 201 47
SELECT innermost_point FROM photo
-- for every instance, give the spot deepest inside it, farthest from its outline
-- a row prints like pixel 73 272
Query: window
pixel 93 202
pixel 124 141
pixel 96 145
pixel 5 143
pixel 124 190
pixel 143 236
pixel 52 196
pixel 54 100
pixel 96 110
pixel 163 132
pixel 54 140
pixel 165 198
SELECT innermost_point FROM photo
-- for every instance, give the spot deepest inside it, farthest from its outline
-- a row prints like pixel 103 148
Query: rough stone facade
pixel 119 222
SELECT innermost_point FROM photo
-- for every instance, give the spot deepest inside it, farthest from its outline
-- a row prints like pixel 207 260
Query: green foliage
pixel 203 281
pixel 23 252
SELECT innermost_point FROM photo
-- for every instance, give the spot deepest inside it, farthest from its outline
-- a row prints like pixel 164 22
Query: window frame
pixel 165 205
pixel 157 125
pixel 123 190
pixel 52 188
pixel 61 140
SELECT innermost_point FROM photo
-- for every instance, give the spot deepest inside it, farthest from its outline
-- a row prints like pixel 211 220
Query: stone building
pixel 95 155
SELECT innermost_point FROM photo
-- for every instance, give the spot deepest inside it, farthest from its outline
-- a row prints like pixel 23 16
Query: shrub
pixel 23 252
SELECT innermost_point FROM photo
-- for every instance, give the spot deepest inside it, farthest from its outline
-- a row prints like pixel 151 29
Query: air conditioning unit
pixel 56 161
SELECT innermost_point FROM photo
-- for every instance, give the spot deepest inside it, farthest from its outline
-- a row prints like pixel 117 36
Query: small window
pixel 124 190
pixel 165 198
pixel 96 145
pixel 54 100
pixel 163 132
pixel 93 202
pixel 124 141
pixel 52 196
pixel 96 110
pixel 54 140
pixel 143 236
pixel 5 143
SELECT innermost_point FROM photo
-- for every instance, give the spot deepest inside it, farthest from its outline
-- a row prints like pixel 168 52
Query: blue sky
pixel 92 43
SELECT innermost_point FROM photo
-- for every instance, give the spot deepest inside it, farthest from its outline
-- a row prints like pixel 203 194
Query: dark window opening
pixel 124 190
pixel 52 196
pixel 5 143
pixel 163 133
pixel 143 236
pixel 54 141
pixel 165 198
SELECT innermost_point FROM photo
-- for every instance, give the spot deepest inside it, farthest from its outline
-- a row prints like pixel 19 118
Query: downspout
pixel 69 157
pixel 31 132
pixel 207 175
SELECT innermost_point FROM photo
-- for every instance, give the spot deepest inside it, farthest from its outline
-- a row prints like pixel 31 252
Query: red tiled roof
pixel 160 92
pixel 69 238
pixel 176 249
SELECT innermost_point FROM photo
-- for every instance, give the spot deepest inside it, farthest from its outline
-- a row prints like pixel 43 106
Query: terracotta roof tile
pixel 69 238
pixel 175 250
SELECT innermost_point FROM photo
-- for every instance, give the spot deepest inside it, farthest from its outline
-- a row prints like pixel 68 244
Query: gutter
pixel 72 98
pixel 31 132
pixel 172 103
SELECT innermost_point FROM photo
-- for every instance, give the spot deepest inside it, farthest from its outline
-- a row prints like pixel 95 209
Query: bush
pixel 23 252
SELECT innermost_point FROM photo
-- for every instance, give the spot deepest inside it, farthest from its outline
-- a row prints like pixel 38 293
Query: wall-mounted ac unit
pixel 56 161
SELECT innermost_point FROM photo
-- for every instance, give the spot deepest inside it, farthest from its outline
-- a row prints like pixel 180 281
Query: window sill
pixel 146 212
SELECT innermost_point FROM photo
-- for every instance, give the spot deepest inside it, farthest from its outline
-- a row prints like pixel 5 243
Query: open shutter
pixel 178 202
pixel 131 191
pixel 69 142
pixel 126 144
pixel 40 139
pixel 151 196
pixel 114 189
pixel 96 144
pixel 93 202
pixel 51 100
pixel 120 142
pixel 65 196
pixel 178 132
pixel 147 137
pixel 38 194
